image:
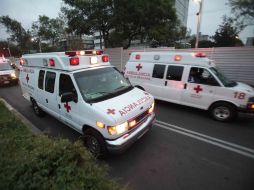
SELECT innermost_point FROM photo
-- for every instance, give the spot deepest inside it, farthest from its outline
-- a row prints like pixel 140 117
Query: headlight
pixel 13 75
pixel 118 129
pixel 151 109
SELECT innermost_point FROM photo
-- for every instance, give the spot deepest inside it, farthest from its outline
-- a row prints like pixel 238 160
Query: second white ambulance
pixel 189 79
pixel 84 91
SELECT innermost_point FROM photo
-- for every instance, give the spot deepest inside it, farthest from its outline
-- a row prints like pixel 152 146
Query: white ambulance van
pixel 189 79
pixel 85 92
pixel 7 73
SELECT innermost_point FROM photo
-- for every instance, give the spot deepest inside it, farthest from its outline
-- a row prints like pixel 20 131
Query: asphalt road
pixel 184 150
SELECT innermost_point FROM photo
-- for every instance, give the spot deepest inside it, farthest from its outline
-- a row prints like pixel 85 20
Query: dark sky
pixel 27 11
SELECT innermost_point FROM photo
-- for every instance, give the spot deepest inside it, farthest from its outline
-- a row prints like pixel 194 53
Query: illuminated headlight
pixel 118 129
pixel 94 60
pixel 13 75
pixel 151 109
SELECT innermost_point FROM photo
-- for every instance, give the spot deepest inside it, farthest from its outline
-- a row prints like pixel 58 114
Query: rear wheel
pixel 223 111
pixel 37 110
pixel 95 143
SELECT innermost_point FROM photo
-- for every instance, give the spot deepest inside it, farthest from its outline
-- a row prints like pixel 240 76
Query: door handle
pixel 166 83
pixel 59 106
pixel 47 101
pixel 185 86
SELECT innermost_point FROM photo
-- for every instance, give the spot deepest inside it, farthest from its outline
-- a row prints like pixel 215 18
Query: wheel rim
pixel 93 145
pixel 36 108
pixel 221 113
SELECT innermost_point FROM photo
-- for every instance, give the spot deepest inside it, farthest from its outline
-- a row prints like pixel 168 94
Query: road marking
pixel 208 139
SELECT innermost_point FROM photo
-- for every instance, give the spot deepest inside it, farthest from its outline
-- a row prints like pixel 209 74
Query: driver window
pixel 66 85
pixel 202 76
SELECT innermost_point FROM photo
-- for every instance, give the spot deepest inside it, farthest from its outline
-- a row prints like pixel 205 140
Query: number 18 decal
pixel 240 95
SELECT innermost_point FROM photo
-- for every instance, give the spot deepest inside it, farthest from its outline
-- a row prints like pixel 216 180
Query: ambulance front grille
pixel 140 119
pixel 5 77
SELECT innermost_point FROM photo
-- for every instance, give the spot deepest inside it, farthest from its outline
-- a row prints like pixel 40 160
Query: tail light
pixel 137 56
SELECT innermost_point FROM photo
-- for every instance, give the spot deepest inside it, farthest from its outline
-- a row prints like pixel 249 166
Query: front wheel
pixel 223 112
pixel 37 110
pixel 95 143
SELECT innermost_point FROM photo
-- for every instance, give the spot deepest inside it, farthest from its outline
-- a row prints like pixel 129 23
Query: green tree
pixel 227 34
pixel 87 17
pixel 17 32
pixel 243 9
pixel 48 29
pixel 145 20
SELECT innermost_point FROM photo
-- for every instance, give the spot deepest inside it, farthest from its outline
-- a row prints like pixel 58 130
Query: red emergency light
pixel 137 56
pixel 87 52
pixel 105 58
pixel 51 62
pixel 200 54
pixel 74 61
pixel 178 58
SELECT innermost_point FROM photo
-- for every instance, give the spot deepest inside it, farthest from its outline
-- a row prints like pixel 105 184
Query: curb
pixel 31 126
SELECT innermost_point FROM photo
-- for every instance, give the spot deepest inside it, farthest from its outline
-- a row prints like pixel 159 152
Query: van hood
pixel 6 72
pixel 244 87
pixel 126 106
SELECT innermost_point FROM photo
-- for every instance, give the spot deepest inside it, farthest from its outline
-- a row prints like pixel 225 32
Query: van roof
pixel 68 61
pixel 172 57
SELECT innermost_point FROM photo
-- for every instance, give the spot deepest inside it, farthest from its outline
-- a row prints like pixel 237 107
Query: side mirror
pixel 68 97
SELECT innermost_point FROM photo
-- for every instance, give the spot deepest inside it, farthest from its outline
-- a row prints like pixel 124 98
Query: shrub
pixel 37 162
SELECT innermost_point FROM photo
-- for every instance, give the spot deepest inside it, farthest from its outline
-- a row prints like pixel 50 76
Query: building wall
pixel 182 7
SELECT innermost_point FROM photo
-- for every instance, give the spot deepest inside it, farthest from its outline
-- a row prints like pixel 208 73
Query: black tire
pixel 37 110
pixel 223 111
pixel 95 143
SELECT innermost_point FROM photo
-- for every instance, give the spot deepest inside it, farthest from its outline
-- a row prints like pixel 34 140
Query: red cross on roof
pixel 111 111
pixel 67 106
pixel 139 66
pixel 198 89
pixel 27 78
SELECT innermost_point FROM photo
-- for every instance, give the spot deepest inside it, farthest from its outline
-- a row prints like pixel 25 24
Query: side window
pixel 41 79
pixel 66 85
pixel 158 71
pixel 202 76
pixel 50 82
pixel 175 73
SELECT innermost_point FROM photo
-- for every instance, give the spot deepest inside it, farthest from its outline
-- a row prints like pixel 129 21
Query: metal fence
pixel 236 62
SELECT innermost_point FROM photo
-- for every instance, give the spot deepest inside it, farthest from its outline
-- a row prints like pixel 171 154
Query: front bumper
pixel 124 142
pixel 8 81
pixel 245 110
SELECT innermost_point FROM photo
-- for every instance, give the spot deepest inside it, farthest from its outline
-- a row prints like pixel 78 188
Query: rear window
pixel 41 79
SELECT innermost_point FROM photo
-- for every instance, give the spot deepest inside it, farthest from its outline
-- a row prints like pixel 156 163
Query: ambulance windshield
pixel 101 84
pixel 226 82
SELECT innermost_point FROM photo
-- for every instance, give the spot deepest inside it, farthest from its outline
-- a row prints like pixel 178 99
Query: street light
pixel 199 20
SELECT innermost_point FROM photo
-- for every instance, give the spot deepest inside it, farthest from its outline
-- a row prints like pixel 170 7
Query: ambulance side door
pixel 69 110
pixel 47 97
pixel 173 83
pixel 157 82
pixel 199 88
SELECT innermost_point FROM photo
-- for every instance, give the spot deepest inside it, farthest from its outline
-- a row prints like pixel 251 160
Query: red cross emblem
pixel 111 111
pixel 139 66
pixel 198 89
pixel 27 78
pixel 67 106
